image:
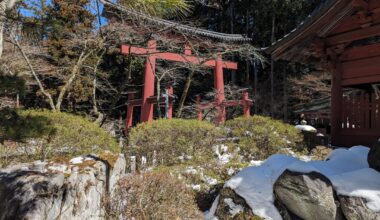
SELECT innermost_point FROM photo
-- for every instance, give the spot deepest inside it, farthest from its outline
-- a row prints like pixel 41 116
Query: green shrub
pixel 152 196
pixel 260 137
pixel 43 134
pixel 20 128
pixel 172 139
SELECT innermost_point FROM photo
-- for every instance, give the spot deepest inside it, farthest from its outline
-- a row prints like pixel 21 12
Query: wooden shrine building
pixel 343 36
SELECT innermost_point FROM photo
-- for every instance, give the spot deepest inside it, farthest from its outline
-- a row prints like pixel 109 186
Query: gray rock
pixel 355 209
pixel 374 156
pixel 36 191
pixel 308 196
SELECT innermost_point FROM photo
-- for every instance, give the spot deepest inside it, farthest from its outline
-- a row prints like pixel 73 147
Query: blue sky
pixel 92 8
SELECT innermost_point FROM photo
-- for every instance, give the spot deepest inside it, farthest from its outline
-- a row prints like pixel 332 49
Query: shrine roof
pixel 295 45
pixel 175 26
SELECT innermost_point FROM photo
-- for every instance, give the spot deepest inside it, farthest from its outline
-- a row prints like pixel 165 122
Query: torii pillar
pixel 152 54
pixel 219 87
pixel 150 67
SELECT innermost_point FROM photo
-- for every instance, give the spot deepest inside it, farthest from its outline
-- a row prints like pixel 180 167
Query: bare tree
pixel 5 5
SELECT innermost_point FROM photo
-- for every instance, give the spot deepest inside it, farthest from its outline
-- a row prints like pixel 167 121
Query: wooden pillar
pixel 246 105
pixel 219 87
pixel 150 66
pixel 336 103
pixel 187 50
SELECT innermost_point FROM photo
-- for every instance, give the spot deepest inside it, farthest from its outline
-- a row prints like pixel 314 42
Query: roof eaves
pixel 303 26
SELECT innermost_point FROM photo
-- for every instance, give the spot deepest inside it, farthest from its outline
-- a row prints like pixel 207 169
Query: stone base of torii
pixel 148 99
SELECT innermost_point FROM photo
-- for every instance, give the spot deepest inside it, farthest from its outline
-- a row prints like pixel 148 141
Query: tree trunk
pixel 1 35
pixel 2 20
pixel 248 63
pixel 255 85
pixel 285 86
pixel 272 71
pixel 95 108
pixel 4 6
pixel 74 73
pixel 47 95
pixel 186 89
pixel 231 17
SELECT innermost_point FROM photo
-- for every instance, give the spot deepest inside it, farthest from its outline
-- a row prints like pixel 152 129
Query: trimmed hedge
pixel 46 134
pixel 260 137
pixel 173 141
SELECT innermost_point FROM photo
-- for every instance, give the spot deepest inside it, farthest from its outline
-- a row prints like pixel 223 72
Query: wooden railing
pixel 361 111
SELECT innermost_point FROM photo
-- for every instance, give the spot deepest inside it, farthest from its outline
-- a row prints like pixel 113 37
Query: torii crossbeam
pixel 152 54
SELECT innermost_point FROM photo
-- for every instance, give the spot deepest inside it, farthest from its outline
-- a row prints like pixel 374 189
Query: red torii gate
pixel 148 99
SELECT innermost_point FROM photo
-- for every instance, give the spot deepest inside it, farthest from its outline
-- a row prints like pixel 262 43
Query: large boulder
pixel 308 196
pixel 374 156
pixel 59 190
pixel 355 208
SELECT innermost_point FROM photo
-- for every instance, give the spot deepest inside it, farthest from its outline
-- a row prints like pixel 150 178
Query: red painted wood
pixel 361 80
pixel 219 87
pixel 378 114
pixel 363 131
pixel 346 112
pixel 373 112
pixel 362 52
pixel 336 103
pixel 353 22
pixel 183 58
pixel 358 34
pixel 150 66
pixel 129 118
pixel 187 50
pixel 246 105
pixel 152 54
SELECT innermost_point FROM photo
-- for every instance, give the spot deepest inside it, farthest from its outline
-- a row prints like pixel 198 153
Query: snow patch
pixel 256 163
pixel 77 160
pixel 209 180
pixel 347 169
pixel 191 170
pixel 221 151
pixel 307 128
pixel 234 209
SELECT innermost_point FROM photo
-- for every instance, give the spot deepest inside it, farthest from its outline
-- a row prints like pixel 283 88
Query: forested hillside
pixel 189 109
pixel 64 55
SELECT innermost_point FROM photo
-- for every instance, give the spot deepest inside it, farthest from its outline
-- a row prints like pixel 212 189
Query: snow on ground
pixel 77 160
pixel 306 128
pixel 234 209
pixel 347 169
pixel 221 151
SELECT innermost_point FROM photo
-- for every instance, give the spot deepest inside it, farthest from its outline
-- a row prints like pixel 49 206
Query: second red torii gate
pixel 152 54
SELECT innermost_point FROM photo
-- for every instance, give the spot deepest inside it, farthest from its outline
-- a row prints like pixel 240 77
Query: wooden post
pixel 150 66
pixel 246 105
pixel 219 86
pixel 187 50
pixel 198 102
pixel 336 102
